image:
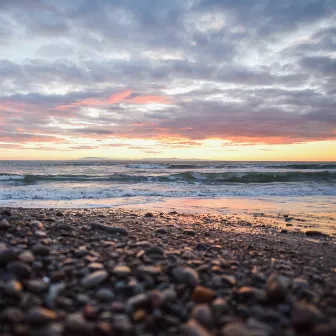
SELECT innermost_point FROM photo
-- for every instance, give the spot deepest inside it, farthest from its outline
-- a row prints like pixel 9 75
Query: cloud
pixel 178 72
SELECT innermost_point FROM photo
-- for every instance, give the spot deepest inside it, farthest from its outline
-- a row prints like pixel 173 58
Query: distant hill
pixel 93 158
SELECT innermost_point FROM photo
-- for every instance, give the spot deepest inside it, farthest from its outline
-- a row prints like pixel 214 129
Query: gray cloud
pixel 250 71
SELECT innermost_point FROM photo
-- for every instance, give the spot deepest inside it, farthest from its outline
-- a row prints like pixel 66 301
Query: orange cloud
pixel 117 98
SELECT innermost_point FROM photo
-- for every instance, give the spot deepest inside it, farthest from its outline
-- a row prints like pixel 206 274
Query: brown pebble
pixel 203 294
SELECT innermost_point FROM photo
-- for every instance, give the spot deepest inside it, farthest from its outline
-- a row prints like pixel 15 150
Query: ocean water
pixel 189 185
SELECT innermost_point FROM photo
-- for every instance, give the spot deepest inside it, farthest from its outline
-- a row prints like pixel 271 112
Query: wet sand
pixel 131 272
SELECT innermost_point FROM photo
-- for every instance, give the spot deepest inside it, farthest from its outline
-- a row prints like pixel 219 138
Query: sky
pixel 205 79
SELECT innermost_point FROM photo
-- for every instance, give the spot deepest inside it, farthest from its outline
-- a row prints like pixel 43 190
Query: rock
pixel 325 329
pixel 94 279
pixel 13 315
pixel 137 302
pixel 202 314
pixel 40 316
pixel 59 214
pixel 41 250
pixel 20 269
pixel 37 286
pixel 77 325
pixel 186 275
pixel 149 215
pixel 220 306
pixel 247 292
pixel 4 225
pixel 139 315
pixel 189 232
pixel 8 255
pixel 277 287
pixel 314 233
pixel 155 250
pixel 26 257
pixel 122 324
pixel 236 329
pixel 13 288
pixel 161 230
pixel 201 247
pixel 53 293
pixel 305 315
pixel 193 328
pixel 151 270
pixel 121 271
pixel 105 295
pixel 229 279
pixel 110 229
pixel 5 213
pixel 203 294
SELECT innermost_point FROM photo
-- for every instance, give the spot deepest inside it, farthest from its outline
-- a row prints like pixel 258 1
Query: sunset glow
pixel 191 79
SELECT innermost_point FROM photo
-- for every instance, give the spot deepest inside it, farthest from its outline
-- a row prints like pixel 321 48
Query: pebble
pixel 247 292
pixel 27 257
pixel 202 314
pixel 36 286
pixel 122 324
pixel 325 329
pixel 13 288
pixel 186 275
pixel 149 215
pixel 105 295
pixel 305 315
pixel 161 230
pixel 8 255
pixel 277 287
pixel 94 279
pixel 189 232
pixel 76 324
pixel 41 250
pixel 193 328
pixel 38 316
pixel 4 225
pixel 203 294
pixel 121 271
pixel 151 270
pixel 236 329
pixel 20 269
pixel 314 233
pixel 110 229
pixel 137 301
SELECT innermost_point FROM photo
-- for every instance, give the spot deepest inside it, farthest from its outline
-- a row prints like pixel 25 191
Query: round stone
pixel 94 279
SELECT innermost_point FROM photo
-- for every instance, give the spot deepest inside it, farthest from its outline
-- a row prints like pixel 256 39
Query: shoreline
pixel 134 272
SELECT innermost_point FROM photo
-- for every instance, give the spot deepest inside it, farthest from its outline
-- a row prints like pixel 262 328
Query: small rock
pixel 229 279
pixel 105 295
pixel 155 250
pixel 203 294
pixel 277 287
pixel 76 324
pixel 220 306
pixel 59 214
pixel 122 324
pixel 26 257
pixel 13 288
pixel 5 213
pixel 4 225
pixel 37 286
pixel 94 266
pixel 201 247
pixel 151 270
pixel 53 293
pixel 202 314
pixel 305 315
pixel 248 292
pixel 121 271
pixel 94 279
pixel 39 316
pixel 314 233
pixel 161 230
pixel 236 329
pixel 193 328
pixel 110 229
pixel 139 315
pixel 41 250
pixel 148 215
pixel 137 302
pixel 325 329
pixel 189 232
pixel 20 269
pixel 186 275
pixel 8 255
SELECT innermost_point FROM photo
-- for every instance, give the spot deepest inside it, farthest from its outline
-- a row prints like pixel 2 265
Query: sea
pixel 189 186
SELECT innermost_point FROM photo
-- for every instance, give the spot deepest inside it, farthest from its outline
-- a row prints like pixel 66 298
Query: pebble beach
pixel 131 272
